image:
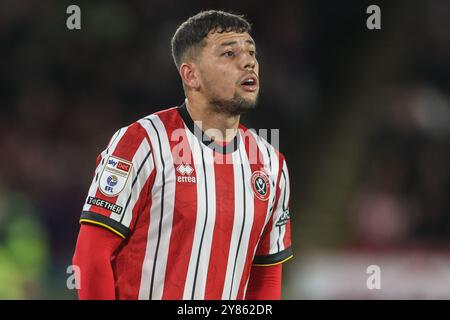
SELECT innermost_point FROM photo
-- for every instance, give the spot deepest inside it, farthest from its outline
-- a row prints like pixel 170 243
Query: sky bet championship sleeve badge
pixel 114 176
pixel 261 185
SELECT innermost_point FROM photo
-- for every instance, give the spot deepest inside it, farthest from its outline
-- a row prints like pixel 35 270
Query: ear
pixel 189 75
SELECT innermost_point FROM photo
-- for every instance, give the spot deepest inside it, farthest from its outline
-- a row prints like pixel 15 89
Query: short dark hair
pixel 191 33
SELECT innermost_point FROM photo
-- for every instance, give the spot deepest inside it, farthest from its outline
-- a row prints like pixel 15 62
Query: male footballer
pixel 187 203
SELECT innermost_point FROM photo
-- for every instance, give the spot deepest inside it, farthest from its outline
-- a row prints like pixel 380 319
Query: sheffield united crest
pixel 261 185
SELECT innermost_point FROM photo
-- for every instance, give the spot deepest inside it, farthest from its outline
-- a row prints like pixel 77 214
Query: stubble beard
pixel 233 107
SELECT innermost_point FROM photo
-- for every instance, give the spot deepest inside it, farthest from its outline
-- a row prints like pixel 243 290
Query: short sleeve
pixel 121 181
pixel 275 245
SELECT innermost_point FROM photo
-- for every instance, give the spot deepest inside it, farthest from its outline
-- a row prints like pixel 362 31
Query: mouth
pixel 250 83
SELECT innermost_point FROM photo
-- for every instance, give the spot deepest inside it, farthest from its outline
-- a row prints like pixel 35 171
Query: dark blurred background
pixel 364 122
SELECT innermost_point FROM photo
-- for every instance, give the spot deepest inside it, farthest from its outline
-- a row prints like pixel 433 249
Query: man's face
pixel 229 72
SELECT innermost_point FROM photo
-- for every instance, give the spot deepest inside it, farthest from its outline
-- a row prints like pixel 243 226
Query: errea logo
pixel 185 169
pixel 185 172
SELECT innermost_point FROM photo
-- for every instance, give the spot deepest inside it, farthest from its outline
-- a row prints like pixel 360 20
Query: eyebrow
pixel 230 43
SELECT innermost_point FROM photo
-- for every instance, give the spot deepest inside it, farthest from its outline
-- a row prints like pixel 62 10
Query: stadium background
pixel 364 118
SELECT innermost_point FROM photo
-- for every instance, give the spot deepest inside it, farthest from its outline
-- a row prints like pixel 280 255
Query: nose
pixel 248 62
pixel 250 65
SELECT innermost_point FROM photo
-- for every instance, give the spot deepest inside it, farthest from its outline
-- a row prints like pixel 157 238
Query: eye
pixel 252 53
pixel 228 53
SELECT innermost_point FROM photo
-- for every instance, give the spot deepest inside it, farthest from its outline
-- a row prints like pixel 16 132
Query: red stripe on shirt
pixel 223 227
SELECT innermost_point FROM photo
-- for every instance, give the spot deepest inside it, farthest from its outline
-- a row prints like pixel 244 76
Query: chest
pixel 223 193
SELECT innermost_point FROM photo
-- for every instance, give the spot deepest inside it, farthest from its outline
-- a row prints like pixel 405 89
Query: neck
pixel 220 127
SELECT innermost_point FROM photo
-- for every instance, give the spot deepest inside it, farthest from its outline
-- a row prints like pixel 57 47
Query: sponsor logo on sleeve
pixel 123 166
pixel 114 176
pixel 284 218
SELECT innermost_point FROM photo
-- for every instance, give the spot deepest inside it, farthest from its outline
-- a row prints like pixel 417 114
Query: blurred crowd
pixel 403 199
pixel 64 93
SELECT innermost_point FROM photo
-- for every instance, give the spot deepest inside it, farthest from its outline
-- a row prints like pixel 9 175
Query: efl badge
pixel 114 176
pixel 261 185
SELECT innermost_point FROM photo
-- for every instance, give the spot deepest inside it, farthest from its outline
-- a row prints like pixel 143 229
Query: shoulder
pixel 161 122
pixel 165 115
pixel 261 137
pixel 141 128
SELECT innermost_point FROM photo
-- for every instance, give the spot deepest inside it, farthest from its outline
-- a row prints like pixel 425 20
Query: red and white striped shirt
pixel 195 215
